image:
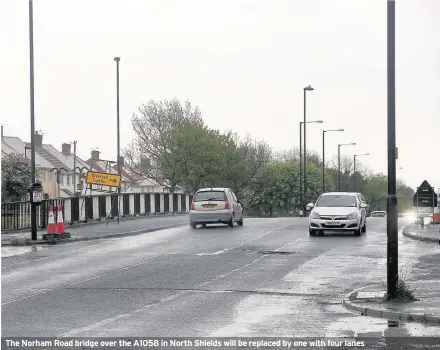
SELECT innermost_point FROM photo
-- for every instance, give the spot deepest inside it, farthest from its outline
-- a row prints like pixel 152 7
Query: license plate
pixel 209 206
pixel 332 223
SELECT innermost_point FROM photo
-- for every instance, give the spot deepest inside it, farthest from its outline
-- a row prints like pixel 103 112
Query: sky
pixel 243 62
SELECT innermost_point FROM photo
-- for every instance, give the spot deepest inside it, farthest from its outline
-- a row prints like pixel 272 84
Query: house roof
pixel 130 173
pixel 67 160
pixel 15 145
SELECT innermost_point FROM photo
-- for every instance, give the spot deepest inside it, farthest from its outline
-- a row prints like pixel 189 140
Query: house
pixel 55 169
pixel 43 167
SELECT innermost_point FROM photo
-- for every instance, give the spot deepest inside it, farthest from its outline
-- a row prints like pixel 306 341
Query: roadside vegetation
pixel 174 147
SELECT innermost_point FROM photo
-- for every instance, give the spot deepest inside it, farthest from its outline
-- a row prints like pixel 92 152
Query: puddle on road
pixel 7 252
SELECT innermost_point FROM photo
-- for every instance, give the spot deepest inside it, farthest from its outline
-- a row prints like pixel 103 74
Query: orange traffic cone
pixel 51 227
pixel 60 220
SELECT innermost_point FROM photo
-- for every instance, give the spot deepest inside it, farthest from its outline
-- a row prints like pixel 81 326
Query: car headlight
pixel 315 215
pixel 352 216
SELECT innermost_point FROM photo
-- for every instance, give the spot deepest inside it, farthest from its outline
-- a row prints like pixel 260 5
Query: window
pixel 68 179
pixel 210 196
pixel 62 180
pixel 336 200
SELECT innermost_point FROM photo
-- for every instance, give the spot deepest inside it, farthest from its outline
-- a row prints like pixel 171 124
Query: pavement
pixel 101 230
pixel 427 234
pixel 268 278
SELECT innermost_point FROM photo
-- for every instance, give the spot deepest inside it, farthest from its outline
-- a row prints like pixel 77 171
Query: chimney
pixel 121 161
pixel 95 155
pixel 65 148
pixel 38 140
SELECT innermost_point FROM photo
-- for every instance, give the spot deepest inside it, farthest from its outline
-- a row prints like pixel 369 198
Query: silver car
pixel 215 206
pixel 338 211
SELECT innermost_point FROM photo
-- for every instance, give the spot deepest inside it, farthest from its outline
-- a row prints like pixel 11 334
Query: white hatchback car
pixel 215 206
pixel 338 211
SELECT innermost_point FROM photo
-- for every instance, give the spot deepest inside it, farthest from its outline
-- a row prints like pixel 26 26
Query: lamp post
pixel 354 168
pixel 392 237
pixel 307 88
pixel 323 156
pixel 117 59
pixel 32 95
pixel 74 168
pixel 300 159
pixel 80 171
pixel 57 173
pixel 339 160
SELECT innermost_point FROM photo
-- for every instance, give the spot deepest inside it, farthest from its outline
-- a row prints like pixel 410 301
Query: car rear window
pixel 210 196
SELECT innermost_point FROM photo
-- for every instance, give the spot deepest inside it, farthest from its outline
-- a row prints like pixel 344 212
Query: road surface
pixel 267 278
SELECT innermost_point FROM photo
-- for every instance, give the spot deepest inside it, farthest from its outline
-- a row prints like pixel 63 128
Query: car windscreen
pixel 336 201
pixel 210 196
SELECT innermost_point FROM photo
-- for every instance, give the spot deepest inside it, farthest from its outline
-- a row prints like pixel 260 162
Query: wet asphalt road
pixel 267 278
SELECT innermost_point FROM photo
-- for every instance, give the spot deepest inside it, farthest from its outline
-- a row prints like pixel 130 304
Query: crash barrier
pixel 17 215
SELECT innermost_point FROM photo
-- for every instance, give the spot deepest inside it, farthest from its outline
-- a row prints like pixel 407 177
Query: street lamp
pixel 339 160
pixel 392 237
pixel 117 59
pixel 323 156
pixel 307 88
pixel 32 95
pixel 354 168
pixel 58 173
pixel 300 156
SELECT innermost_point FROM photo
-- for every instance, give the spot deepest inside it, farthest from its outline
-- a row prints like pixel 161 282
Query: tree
pixel 196 157
pixel 404 196
pixel 245 160
pixel 376 190
pixel 16 176
pixel 274 189
pixel 154 125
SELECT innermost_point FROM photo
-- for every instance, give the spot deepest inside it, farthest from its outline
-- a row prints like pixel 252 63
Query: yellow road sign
pixel 104 179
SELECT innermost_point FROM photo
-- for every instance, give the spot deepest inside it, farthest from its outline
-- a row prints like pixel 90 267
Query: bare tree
pixel 153 125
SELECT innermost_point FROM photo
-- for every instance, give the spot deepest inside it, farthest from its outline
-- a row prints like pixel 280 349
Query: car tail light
pixel 193 205
pixel 227 206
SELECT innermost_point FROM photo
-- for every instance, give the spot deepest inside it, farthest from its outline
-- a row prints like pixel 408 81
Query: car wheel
pixel 364 228
pixel 231 222
pixel 357 232
pixel 240 222
pixel 193 225
pixel 312 232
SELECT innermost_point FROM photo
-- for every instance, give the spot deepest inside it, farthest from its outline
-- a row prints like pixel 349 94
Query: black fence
pixel 17 215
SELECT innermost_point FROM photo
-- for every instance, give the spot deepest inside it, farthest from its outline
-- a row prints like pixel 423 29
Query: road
pixel 267 278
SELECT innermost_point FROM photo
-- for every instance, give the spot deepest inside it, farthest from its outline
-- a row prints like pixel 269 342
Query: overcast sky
pixel 244 63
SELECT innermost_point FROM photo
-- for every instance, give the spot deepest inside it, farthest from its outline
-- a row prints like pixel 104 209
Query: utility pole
pixel 339 161
pixel 307 88
pixel 32 95
pixel 74 168
pixel 117 59
pixel 300 165
pixel 392 220
pixel 323 156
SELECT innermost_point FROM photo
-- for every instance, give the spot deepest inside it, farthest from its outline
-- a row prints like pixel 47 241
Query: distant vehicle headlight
pixel 315 215
pixel 352 216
